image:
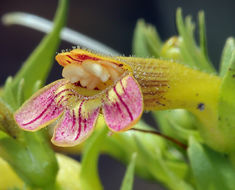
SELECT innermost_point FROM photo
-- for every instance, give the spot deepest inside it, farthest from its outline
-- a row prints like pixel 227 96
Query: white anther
pixel 109 64
pixel 84 82
pixel 96 69
pixel 91 74
pixel 74 73
pixel 113 74
pixel 92 84
pixel 105 75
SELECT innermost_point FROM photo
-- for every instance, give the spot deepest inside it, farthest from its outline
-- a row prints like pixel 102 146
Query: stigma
pixel 92 74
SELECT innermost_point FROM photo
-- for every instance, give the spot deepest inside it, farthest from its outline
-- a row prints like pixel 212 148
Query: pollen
pixel 92 74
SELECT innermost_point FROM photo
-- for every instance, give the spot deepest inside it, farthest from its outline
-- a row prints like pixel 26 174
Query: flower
pixel 120 88
pixel 92 85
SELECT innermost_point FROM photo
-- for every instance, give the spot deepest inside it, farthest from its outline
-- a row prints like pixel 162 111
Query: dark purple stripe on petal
pixel 123 110
pixel 124 104
pixel 48 106
pixel 59 93
pixel 79 120
pixel 74 121
pixel 124 90
pixel 40 115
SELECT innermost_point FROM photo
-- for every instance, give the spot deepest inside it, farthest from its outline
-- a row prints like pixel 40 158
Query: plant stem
pixel 184 146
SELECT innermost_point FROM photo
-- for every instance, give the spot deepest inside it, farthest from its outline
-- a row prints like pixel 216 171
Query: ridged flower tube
pixel 119 88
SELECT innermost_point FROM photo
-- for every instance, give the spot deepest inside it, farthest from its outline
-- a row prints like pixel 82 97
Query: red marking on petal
pixel 78 56
pixel 77 60
pixel 83 57
pixel 76 124
pixel 40 109
pixel 124 105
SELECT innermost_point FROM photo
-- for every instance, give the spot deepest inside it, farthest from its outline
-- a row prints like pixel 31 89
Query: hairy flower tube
pixel 120 88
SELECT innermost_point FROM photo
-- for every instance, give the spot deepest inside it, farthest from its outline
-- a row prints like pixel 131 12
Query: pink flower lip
pixel 121 106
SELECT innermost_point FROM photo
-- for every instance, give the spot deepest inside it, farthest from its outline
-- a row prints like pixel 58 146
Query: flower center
pixel 92 74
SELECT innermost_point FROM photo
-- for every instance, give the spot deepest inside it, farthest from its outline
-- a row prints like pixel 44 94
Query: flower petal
pixel 123 104
pixel 77 123
pixel 41 109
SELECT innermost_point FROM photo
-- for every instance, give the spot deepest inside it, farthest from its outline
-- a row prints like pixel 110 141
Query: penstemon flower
pixel 92 83
pixel 118 87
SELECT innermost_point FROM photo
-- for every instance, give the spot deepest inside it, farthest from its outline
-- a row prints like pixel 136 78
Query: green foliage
pixel 162 169
pixel 146 41
pixel 29 154
pixel 89 169
pixel 179 124
pixel 8 94
pixel 40 61
pixel 212 170
pixel 31 158
pixel 202 34
pixel 227 56
pixel 127 182
pixel 193 55
pixel 155 161
pixel 7 122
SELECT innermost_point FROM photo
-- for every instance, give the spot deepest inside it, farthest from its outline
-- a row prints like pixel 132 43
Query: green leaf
pixel 227 53
pixel 202 34
pixel 89 169
pixel 20 93
pixel 7 122
pixel 191 53
pixel 127 183
pixel 2 134
pixel 29 154
pixel 37 86
pixel 179 124
pixel 8 94
pixel 146 41
pixel 40 61
pixel 31 158
pixel 212 170
pixel 226 105
pixel 161 169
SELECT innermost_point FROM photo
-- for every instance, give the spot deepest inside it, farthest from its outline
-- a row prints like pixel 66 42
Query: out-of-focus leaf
pixel 212 170
pixel 67 178
pixel 171 48
pixel 2 134
pixel 37 86
pixel 7 122
pixel 8 94
pixel 146 41
pixel 227 53
pixel 180 169
pixel 89 169
pixel 20 93
pixel 159 168
pixel 127 182
pixel 177 124
pixel 191 53
pixel 40 61
pixel 116 146
pixel 31 158
pixel 202 34
pixel 226 106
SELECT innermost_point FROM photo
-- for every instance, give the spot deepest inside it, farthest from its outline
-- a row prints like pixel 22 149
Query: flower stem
pixel 182 145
